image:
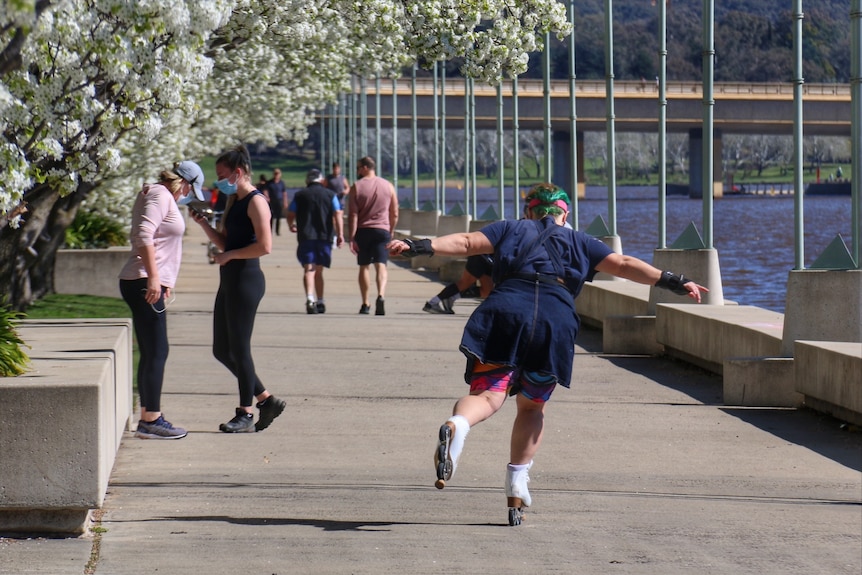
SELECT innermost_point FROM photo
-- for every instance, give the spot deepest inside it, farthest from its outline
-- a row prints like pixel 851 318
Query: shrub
pixel 13 359
pixel 90 230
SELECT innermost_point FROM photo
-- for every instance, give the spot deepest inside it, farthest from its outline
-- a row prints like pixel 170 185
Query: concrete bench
pixel 76 402
pixel 829 376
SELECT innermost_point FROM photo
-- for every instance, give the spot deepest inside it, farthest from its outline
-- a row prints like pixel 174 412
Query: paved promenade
pixel 642 470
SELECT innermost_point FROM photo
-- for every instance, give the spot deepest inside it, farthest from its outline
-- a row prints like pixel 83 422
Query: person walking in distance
pixel 520 340
pixel 315 216
pixel 244 235
pixel 338 183
pixel 372 215
pixel 277 196
pixel 478 268
pixel 147 279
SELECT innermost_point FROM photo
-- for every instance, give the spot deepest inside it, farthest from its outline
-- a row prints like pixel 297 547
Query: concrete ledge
pixel 90 272
pixel 453 225
pixel 452 270
pixel 424 224
pixel 77 402
pixel 600 300
pixel 476 225
pixel 60 463
pixel 405 221
pixel 630 334
pixel 706 335
pixel 760 382
pixel 829 375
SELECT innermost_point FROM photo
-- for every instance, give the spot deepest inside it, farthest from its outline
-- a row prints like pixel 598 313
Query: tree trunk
pixel 27 253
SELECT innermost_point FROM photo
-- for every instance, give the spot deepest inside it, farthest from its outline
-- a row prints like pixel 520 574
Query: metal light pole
pixel 500 163
pixel 443 137
pixel 609 103
pixel 573 123
pixel 415 132
pixel 662 125
pixel 516 152
pixel 363 116
pixel 435 107
pixel 856 128
pixel 377 153
pixel 395 134
pixel 798 185
pixel 546 87
pixel 708 113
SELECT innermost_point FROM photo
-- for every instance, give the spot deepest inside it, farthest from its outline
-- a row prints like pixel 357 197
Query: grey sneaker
pixel 159 429
pixel 433 308
pixel 270 408
pixel 242 422
pixel 448 304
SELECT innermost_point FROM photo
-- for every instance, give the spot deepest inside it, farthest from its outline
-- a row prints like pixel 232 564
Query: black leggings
pixel 151 331
pixel 241 288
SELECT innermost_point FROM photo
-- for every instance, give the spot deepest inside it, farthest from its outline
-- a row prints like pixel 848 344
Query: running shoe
pixel 379 308
pixel 270 408
pixel 242 422
pixel 434 308
pixel 159 429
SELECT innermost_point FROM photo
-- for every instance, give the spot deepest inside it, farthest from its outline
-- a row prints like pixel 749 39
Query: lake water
pixel 752 234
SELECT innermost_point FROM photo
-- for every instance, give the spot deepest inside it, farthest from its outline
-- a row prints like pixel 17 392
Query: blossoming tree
pixel 95 95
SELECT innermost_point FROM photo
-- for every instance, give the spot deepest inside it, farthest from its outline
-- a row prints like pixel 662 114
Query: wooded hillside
pixel 753 41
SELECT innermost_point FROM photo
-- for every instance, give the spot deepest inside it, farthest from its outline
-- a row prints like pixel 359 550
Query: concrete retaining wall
pixel 76 402
pixel 90 272
pixel 829 375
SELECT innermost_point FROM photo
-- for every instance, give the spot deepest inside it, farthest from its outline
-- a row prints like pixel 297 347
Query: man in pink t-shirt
pixel 372 215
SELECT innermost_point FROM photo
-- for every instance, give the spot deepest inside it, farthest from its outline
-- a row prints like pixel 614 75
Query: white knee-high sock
pixel 462 428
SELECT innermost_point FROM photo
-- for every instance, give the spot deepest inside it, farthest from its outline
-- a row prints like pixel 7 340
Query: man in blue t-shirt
pixel 315 216
pixel 277 196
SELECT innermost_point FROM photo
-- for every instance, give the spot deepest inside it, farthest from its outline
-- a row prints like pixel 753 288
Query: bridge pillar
pixel 695 164
pixel 562 143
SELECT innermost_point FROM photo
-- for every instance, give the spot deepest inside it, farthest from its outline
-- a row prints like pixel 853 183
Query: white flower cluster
pixel 110 92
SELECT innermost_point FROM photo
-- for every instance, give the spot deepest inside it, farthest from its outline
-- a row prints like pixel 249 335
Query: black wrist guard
pixel 417 248
pixel 673 282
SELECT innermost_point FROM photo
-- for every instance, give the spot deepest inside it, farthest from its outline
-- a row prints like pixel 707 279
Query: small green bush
pixel 13 359
pixel 91 231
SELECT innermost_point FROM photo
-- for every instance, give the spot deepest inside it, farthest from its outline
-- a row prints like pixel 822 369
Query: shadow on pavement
pixel 819 433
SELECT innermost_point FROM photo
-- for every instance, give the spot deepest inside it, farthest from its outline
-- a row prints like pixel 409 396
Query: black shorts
pixel 371 244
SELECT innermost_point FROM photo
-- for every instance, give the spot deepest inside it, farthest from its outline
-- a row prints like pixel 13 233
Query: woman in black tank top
pixel 244 237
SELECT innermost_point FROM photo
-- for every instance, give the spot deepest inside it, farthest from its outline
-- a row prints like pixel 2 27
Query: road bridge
pixel 740 108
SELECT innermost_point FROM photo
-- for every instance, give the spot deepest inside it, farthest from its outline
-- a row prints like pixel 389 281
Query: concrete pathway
pixel 642 469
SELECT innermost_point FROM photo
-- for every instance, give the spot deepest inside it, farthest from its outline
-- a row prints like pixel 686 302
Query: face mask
pixel 225 187
pixel 187 199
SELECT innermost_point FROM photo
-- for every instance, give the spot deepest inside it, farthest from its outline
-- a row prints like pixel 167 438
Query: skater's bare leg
pixel 527 430
pixel 479 405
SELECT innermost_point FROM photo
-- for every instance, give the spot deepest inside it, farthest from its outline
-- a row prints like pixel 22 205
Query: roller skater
pixel 520 340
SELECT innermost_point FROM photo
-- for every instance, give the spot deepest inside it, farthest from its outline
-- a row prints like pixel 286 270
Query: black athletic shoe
pixel 242 422
pixel 321 307
pixel 378 307
pixel 364 309
pixel 310 307
pixel 270 408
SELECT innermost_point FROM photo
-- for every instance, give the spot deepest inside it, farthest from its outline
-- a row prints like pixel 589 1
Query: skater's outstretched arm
pixel 463 244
